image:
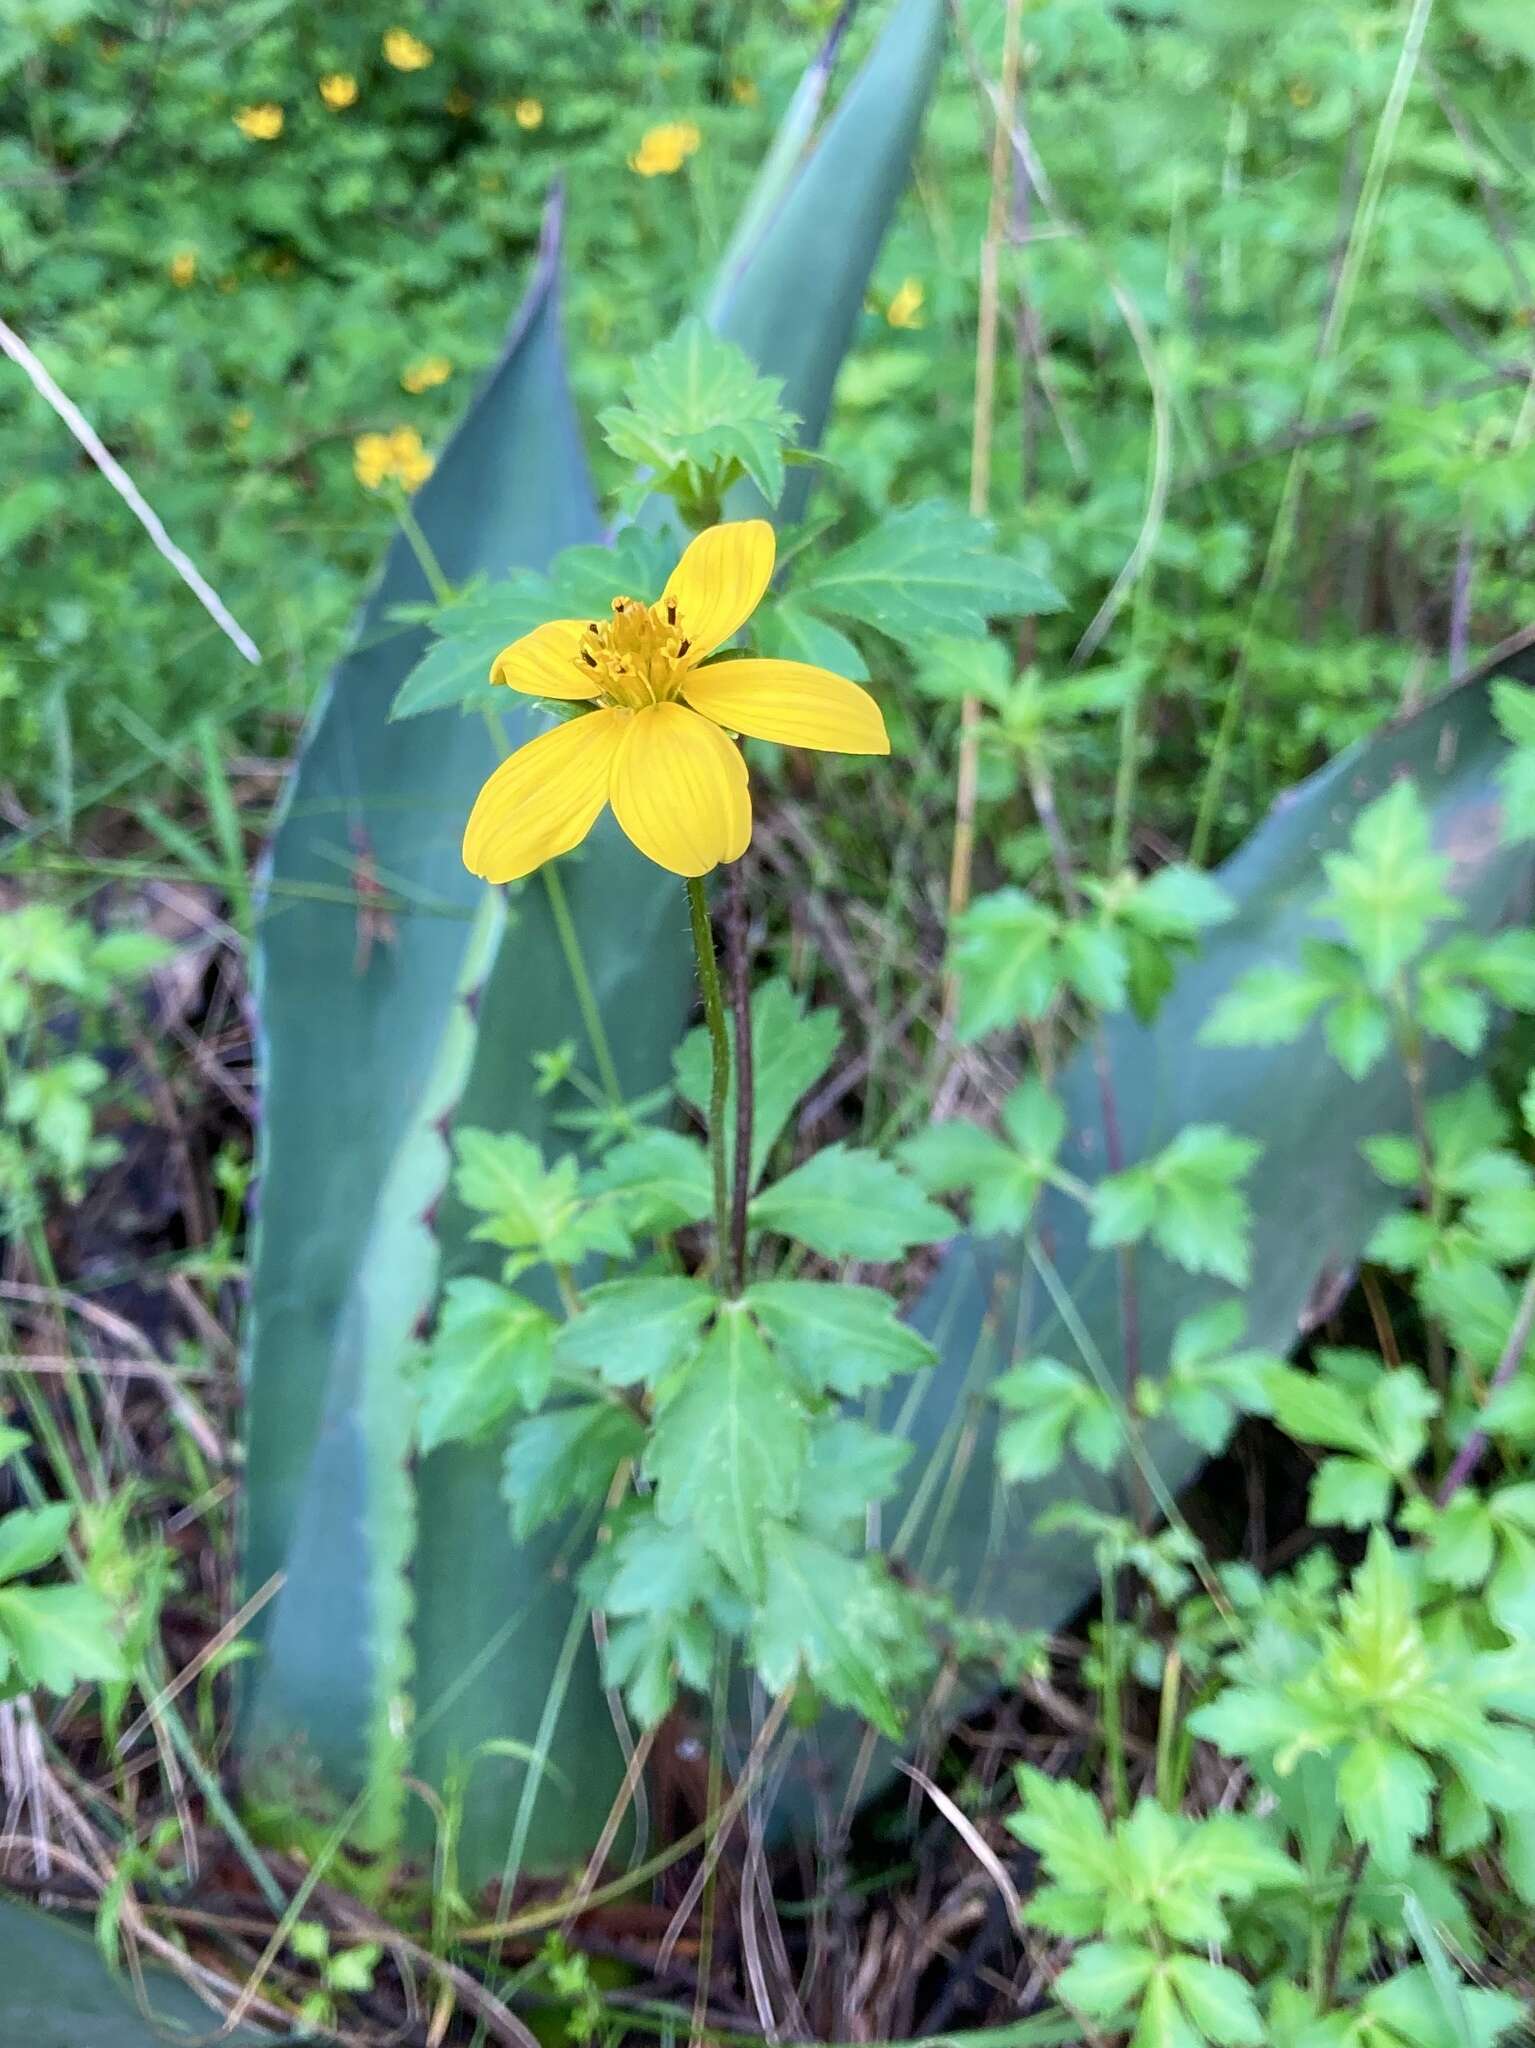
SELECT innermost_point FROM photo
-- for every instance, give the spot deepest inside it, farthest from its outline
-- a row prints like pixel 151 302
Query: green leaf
pixel 1177 902
pixel 835 1620
pixel 30 1537
pixel 1105 1977
pixel 698 407
pixel 728 1447
pixel 791 1050
pixel 1351 1492
pixel 1006 957
pixel 1272 1005
pixel 1217 2001
pixel 565 1458
pixel 1388 889
pixel 59 1635
pixel 634 1331
pixel 787 632
pixel 528 1207
pixel 660 1181
pixel 837 1339
pixel 1188 1199
pixel 1056 1404
pixel 1384 1790
pixel 847 1204
pixel 491 1353
pixel 925 571
pixel 850 1466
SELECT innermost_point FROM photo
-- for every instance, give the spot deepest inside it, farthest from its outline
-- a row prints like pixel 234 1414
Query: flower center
pixel 636 657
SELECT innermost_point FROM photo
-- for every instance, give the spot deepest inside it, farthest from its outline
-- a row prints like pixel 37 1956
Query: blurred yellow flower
pixel 905 309
pixel 458 103
pixel 262 123
pixel 338 89
pixel 398 457
pixel 183 267
pixel 424 375
pixel 529 113
pixel 665 149
pixel 655 744
pixel 407 52
pixel 744 91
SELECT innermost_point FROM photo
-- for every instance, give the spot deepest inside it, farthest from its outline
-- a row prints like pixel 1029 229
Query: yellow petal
pixel 719 582
pixel 544 799
pixel 679 790
pixel 789 701
pixel 547 662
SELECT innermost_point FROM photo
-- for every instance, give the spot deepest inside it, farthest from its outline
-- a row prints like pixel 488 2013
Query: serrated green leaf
pixel 634 1331
pixel 30 1537
pixel 1269 1006
pixel 1388 889
pixel 787 632
pixel 1006 958
pixel 835 1620
pixel 1104 1977
pixel 1217 2000
pixel 492 1353
pixel 698 404
pixel 851 1204
pixel 59 1635
pixel 850 1465
pixel 565 1458
pixel 924 571
pixel 1384 1790
pixel 728 1447
pixel 659 1181
pixel 837 1339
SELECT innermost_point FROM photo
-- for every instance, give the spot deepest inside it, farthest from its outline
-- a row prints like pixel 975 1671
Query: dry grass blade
pixel 975 1842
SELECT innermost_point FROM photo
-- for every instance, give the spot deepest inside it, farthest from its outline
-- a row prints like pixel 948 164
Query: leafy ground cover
pixel 1105 1396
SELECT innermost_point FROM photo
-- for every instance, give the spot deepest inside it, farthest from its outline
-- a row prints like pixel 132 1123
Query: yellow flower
pixel 371 460
pixel 412 464
pixel 656 746
pixel 407 52
pixel 905 309
pixel 183 267
pixel 260 124
pixel 665 149
pixel 338 89
pixel 529 113
pixel 423 376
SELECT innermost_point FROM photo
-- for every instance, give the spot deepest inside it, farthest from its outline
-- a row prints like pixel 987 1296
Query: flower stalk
pixel 738 965
pixel 719 1039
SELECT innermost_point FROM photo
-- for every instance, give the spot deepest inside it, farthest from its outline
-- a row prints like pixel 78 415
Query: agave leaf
pixel 60 1993
pixel 488 1639
pixel 367 1028
pixel 351 1038
pixel 1315 1199
pixel 793 299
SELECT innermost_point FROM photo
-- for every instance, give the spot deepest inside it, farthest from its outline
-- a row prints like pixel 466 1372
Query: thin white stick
pixel 127 490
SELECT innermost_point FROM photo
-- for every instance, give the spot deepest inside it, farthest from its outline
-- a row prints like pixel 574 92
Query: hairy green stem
pixel 719 1039
pixel 738 933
